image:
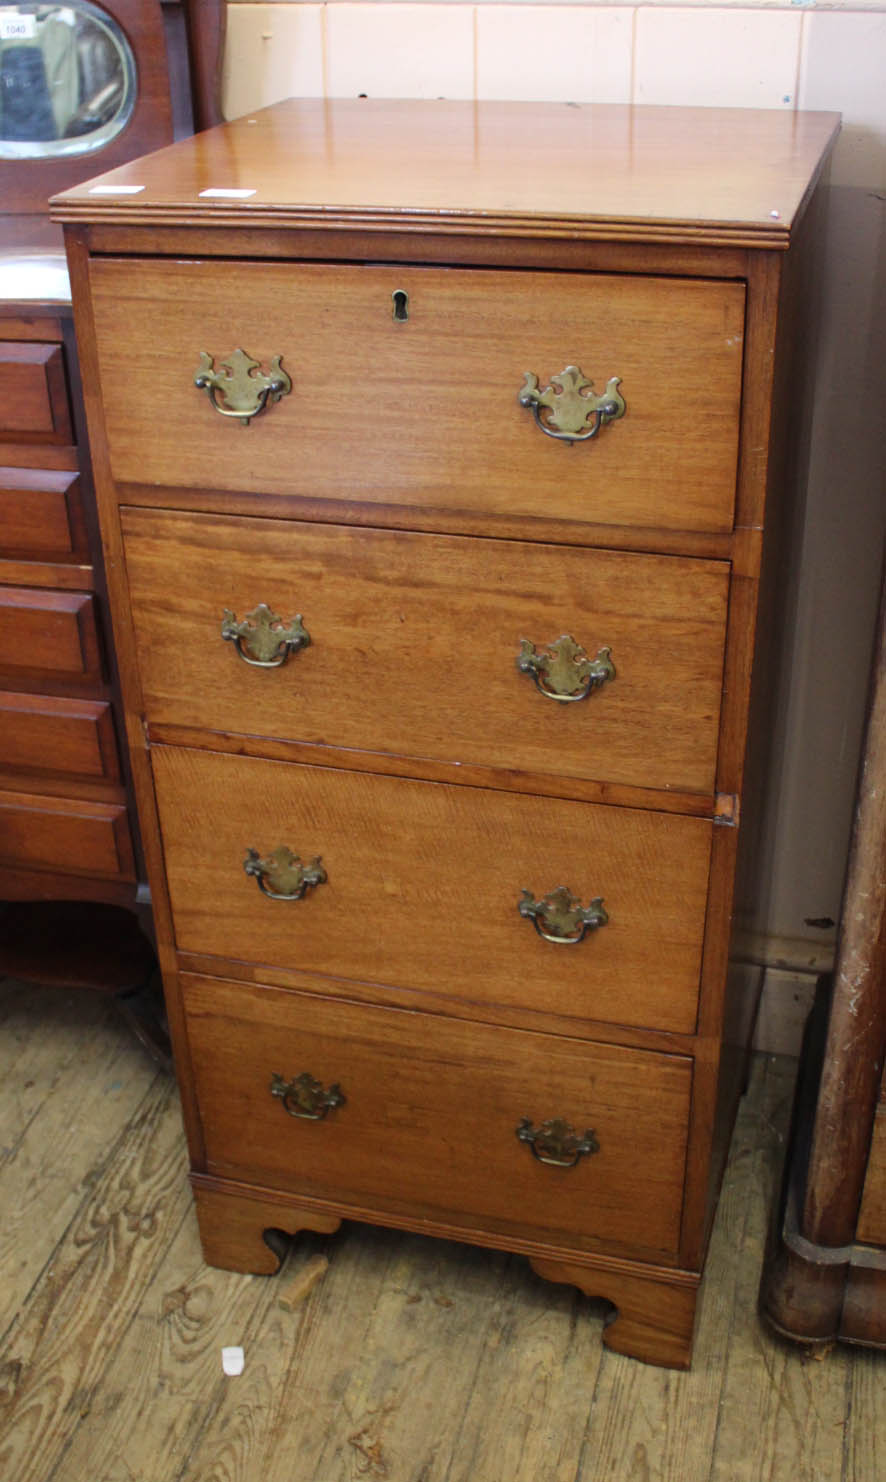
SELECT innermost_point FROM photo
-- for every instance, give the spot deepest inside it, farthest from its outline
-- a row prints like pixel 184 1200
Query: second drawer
pixel 424 882
pixel 414 642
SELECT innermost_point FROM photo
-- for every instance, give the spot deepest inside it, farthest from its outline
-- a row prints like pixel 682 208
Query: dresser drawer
pixel 424 882
pixel 428 630
pixel 49 633
pixel 430 1111
pixel 425 413
pixel 33 394
pixel 50 733
pixel 40 513
pixel 70 836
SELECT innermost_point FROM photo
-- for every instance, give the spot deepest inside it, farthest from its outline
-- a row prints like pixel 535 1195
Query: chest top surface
pixel 721 176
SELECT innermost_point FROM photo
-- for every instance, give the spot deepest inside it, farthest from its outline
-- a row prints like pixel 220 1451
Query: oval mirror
pixel 67 80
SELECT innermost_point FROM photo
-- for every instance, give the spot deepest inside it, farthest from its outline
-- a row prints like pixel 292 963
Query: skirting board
pixel 785 1002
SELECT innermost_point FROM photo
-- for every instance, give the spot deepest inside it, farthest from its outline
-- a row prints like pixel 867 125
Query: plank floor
pixel 412 1360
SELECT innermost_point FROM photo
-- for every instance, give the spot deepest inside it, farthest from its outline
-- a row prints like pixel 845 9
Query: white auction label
pixel 18 27
pixel 220 192
pixel 115 190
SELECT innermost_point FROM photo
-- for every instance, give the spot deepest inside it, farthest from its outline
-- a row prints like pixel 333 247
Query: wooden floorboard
pixel 412 1360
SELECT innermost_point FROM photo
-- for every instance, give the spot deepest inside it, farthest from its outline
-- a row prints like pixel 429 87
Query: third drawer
pixel 423 888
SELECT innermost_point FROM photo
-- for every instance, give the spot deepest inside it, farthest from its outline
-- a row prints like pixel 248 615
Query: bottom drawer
pixel 427 1124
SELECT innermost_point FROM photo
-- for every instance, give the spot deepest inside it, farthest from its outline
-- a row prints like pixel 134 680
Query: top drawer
pixel 424 411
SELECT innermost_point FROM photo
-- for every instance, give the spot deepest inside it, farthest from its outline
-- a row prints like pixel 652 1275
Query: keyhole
pixel 401 305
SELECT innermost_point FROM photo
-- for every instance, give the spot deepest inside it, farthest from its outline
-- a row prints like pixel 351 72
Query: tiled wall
pixel 795 56
pixel 770 57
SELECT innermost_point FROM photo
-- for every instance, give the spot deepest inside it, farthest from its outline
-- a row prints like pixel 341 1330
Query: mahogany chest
pixel 437 447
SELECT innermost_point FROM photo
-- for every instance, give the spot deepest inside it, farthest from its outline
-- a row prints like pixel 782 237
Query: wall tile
pixel 844 68
pixel 564 53
pixel 717 58
pixel 271 52
pixel 400 51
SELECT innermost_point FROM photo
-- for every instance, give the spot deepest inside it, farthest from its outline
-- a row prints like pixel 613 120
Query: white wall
pixel 786 57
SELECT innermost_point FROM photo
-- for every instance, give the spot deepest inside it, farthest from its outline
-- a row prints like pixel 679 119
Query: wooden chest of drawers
pixel 438 668
pixel 64 817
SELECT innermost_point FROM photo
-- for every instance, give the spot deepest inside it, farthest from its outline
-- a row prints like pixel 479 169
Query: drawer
pixel 40 513
pixel 50 733
pixel 431 1107
pixel 428 629
pixel 424 882
pixel 425 413
pixel 33 394
pixel 49 633
pixel 65 835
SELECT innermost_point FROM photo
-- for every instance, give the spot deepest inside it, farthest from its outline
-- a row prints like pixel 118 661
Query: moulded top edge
pixel 730 176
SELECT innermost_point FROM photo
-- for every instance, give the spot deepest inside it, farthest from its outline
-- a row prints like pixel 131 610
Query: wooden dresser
pixel 67 824
pixel 438 656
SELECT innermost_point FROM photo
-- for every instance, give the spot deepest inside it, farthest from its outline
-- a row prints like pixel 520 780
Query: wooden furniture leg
pixel 233 1225
pixel 654 1320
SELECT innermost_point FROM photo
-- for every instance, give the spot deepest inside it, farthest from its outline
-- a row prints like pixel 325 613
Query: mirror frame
pixel 26 185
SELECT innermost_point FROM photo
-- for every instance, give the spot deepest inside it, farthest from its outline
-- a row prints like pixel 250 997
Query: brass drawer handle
pixel 281 875
pixel 556 1142
pixel 262 639
pixel 564 672
pixel 304 1096
pixel 560 917
pixel 244 393
pixel 562 410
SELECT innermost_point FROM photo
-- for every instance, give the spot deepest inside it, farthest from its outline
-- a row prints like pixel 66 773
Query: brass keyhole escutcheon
pixel 401 305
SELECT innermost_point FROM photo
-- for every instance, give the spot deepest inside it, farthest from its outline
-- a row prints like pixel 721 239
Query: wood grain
pixel 49 633
pixel 41 514
pixel 431 1112
pixel 50 1159
pixel 57 1347
pixel 872 1214
pixel 170 1386
pixel 425 412
pixel 402 432
pixel 33 394
pixel 75 836
pixel 502 168
pixel 426 1358
pixel 390 913
pixel 429 628
pixel 653 1320
pixel 47 733
pixel 778 1417
pixel 423 768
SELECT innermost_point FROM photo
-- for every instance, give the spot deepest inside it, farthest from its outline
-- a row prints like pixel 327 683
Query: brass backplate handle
pixel 556 1142
pixel 241 384
pixel 568 409
pixel 560 917
pixel 263 639
pixel 282 875
pixel 305 1097
pixel 563 671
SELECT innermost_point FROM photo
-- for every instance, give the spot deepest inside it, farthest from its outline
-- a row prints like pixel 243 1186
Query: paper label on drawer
pixel 115 190
pixel 223 193
pixel 18 27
